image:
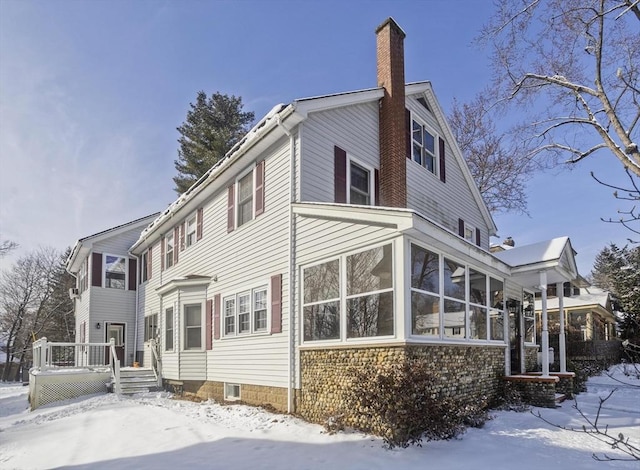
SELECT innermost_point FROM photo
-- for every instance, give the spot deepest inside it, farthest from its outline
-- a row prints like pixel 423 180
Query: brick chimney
pixel 393 170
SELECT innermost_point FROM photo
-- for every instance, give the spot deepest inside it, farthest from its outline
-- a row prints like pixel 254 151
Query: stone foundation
pixel 535 390
pixel 470 374
pixel 256 395
pixel 531 358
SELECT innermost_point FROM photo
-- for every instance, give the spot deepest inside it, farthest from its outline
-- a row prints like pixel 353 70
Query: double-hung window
pixel 168 250
pixel 191 225
pixel 245 199
pixel 246 312
pixel 150 326
pixel 424 146
pixel 193 326
pixel 168 329
pixel 360 184
pixel 115 272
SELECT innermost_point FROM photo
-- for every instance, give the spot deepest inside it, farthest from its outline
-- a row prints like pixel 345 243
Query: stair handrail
pixel 115 367
pixel 156 363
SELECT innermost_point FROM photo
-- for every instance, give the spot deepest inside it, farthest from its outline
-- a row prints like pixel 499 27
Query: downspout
pixel 135 335
pixel 291 267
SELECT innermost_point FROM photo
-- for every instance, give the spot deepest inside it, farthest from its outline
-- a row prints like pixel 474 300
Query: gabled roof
pixel 278 122
pixel 555 256
pixel 83 245
pixel 588 297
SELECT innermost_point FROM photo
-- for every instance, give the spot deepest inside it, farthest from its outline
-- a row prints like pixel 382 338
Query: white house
pixel 343 230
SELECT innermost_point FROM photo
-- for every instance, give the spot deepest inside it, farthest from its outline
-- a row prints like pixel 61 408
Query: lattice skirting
pixel 48 388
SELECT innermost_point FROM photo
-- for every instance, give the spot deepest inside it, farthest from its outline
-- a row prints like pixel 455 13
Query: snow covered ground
pixel 155 431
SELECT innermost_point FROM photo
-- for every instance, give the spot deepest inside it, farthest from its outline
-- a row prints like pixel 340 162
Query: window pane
pixel 425 314
pixel 454 319
pixel 370 315
pixel 260 309
pixel 245 199
pixel 429 142
pixel 425 270
pixel 192 315
pixel 417 153
pixel 359 178
pixel 478 322
pixel 229 316
pixel 496 294
pixel 115 272
pixel 168 325
pixel 370 270
pixel 496 323
pixel 477 287
pixel 322 282
pixel 454 279
pixel 244 313
pixel 417 132
pixel 322 321
pixel 193 339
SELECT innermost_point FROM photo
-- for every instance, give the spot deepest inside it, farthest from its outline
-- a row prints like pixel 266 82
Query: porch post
pixel 545 329
pixel 563 347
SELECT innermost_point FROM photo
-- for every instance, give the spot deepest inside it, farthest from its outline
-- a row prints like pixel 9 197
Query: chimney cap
pixel 390 21
pixel 509 242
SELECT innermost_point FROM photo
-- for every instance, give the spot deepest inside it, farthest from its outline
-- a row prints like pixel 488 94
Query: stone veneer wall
pixel 471 374
pixel 257 395
pixel 531 358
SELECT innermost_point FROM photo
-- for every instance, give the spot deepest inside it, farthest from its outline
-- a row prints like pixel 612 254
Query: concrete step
pixel 137 380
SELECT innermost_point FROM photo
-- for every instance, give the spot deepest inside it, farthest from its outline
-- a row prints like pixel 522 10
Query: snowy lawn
pixel 156 431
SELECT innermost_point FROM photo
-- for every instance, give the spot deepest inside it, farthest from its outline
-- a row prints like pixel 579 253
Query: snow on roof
pixel 587 296
pixel 536 253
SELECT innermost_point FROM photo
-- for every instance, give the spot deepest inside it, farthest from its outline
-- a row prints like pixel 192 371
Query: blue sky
pixel 91 94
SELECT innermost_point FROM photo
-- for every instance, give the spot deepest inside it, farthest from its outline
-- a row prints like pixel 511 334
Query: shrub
pixel 398 402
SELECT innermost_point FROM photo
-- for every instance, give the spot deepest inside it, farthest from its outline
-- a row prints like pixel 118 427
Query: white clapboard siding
pixel 441 202
pixel 352 128
pixel 113 306
pixel 245 258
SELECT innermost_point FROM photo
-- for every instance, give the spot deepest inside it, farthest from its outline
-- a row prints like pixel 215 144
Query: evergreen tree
pixel 213 125
pixel 618 271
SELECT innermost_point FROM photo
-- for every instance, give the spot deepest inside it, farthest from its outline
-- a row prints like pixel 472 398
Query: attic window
pixel 423 102
pixel 424 147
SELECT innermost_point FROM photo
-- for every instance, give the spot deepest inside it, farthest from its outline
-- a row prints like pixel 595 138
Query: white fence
pixel 68 370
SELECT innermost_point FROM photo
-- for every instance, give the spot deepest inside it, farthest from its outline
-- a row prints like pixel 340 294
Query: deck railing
pixel 48 356
pixel 156 363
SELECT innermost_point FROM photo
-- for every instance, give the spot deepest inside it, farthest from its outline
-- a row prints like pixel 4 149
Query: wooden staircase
pixel 137 380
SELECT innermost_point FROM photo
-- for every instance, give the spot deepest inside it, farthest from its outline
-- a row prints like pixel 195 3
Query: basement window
pixel 231 391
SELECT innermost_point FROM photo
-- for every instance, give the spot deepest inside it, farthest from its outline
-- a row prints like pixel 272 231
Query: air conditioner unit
pixel 74 293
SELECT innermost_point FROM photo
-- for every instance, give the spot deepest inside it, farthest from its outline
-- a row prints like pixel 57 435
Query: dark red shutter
pixel 260 188
pixel 407 131
pixel 478 240
pixel 149 262
pixel 182 236
pixel 199 224
pixel 176 235
pixel 443 170
pixel 231 223
pixel 162 240
pixel 216 316
pixel 276 303
pixel 209 323
pixel 376 189
pixel 340 175
pixel 461 227
pixel 132 273
pixel 96 269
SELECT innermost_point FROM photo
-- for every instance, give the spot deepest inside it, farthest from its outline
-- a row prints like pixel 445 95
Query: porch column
pixel 563 347
pixel 545 328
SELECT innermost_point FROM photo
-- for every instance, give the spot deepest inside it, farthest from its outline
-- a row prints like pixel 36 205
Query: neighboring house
pixel 588 313
pixel 343 231
pixel 106 287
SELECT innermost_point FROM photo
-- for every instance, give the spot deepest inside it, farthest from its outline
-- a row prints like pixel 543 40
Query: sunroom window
pixel 366 298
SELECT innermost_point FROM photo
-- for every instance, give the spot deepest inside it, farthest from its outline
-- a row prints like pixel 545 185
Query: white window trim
pixel 193 217
pixel 370 169
pixel 236 197
pixel 472 230
pixel 183 326
pixel 436 145
pixel 228 397
pixel 169 261
pixel 173 330
pixel 104 270
pixel 442 338
pixel 342 298
pixel 251 289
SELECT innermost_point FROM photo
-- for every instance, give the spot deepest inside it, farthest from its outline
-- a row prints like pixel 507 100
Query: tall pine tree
pixel 618 271
pixel 214 124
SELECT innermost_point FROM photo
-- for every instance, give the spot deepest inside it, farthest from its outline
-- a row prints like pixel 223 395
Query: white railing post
pixel 44 352
pixel 115 366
